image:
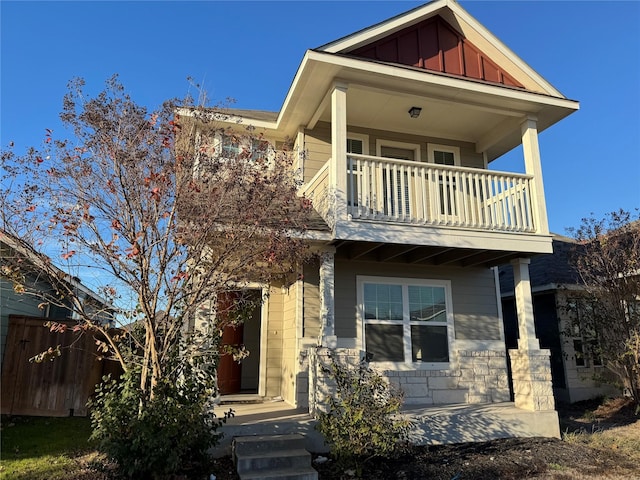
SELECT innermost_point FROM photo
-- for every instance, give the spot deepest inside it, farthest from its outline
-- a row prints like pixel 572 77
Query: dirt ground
pixel 521 458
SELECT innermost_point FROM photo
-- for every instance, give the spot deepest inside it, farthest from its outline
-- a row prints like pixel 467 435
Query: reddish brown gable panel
pixel 450 46
pixel 472 61
pixel 490 71
pixel 388 50
pixel 408 49
pixel 429 48
pixel 434 45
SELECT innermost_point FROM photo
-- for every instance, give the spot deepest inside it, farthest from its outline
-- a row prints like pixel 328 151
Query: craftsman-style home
pixel 395 128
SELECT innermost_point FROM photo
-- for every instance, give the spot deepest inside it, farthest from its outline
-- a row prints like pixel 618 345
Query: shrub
pixel 363 419
pixel 159 436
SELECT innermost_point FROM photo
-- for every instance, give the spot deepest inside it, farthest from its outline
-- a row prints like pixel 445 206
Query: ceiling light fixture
pixel 414 112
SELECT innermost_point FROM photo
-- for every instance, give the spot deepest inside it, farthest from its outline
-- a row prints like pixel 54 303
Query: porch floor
pixel 433 424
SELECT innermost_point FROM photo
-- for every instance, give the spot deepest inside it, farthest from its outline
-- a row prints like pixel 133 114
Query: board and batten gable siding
pixel 473 292
pixel 318 146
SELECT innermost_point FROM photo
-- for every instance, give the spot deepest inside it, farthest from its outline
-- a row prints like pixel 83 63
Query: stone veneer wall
pixel 321 386
pixel 480 377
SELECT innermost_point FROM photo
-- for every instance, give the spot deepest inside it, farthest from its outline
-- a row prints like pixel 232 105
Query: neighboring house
pixel 577 375
pixel 54 388
pixel 396 127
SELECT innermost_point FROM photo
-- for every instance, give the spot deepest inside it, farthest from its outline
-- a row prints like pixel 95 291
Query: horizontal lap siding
pixel 317 144
pixel 274 343
pixel 311 305
pixel 289 353
pixel 473 290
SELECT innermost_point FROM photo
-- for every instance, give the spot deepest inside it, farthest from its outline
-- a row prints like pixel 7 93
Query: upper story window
pixel 224 146
pixel 407 321
pixel 443 154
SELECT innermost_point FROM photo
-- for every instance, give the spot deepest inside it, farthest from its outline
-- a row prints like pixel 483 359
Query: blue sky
pixel 249 51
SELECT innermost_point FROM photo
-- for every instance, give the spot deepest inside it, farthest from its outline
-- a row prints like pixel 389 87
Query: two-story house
pixel 395 128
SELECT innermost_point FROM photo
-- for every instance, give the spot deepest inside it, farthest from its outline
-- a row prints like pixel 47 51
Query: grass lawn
pixel 38 448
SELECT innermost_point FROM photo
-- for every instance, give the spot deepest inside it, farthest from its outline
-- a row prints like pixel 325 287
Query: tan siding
pixel 274 343
pixel 472 289
pixel 317 143
pixel 288 372
pixel 311 305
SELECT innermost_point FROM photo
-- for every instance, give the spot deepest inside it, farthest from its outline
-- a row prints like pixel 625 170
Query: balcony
pixel 404 192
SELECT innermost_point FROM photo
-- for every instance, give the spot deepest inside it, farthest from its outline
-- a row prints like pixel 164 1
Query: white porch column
pixel 327 290
pixel 533 166
pixel 338 171
pixel 530 365
pixel 524 305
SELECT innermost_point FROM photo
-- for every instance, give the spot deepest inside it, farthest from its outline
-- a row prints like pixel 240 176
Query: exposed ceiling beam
pixel 360 249
pixel 390 252
pixel 425 253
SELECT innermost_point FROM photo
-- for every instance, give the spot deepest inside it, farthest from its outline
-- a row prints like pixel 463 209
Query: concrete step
pixel 286 474
pixel 266 457
pixel 272 460
pixel 253 444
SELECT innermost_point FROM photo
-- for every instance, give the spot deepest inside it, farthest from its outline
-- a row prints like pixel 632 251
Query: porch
pixel 433 424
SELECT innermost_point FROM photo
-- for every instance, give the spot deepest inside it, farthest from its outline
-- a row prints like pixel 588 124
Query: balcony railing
pixel 399 191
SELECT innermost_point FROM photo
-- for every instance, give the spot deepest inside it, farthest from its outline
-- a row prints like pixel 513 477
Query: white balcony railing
pixel 399 191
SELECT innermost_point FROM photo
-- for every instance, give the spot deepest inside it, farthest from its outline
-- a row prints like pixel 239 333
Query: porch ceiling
pixel 422 255
pixel 380 94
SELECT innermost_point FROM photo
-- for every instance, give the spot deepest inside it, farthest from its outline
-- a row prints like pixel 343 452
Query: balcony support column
pixel 533 166
pixel 530 365
pixel 327 293
pixel 338 172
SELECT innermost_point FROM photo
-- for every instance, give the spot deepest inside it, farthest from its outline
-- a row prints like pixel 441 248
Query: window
pixel 358 144
pixel 443 154
pixel 585 343
pixel 405 320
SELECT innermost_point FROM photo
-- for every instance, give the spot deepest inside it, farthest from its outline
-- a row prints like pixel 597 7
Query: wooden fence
pixel 55 388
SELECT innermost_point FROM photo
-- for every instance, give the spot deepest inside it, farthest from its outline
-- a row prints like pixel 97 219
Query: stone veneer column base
pixel 531 372
pixel 321 386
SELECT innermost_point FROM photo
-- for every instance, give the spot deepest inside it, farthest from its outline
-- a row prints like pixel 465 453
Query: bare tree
pixel 607 257
pixel 157 217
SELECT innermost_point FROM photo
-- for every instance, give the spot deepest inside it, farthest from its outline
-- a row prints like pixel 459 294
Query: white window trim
pixel 433 147
pixel 380 142
pixel 363 138
pixel 407 365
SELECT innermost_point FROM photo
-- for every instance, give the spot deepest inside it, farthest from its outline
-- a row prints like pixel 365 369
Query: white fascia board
pixel 380 30
pixel 233 119
pixel 456 237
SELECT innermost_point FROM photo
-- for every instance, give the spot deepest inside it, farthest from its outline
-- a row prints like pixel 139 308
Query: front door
pixel 240 376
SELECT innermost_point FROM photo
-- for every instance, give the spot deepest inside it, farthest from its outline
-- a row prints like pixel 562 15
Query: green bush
pixel 159 436
pixel 363 419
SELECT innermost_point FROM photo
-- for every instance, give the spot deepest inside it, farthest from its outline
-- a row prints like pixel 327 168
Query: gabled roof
pixel 426 34
pixel 476 89
pixel 43 262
